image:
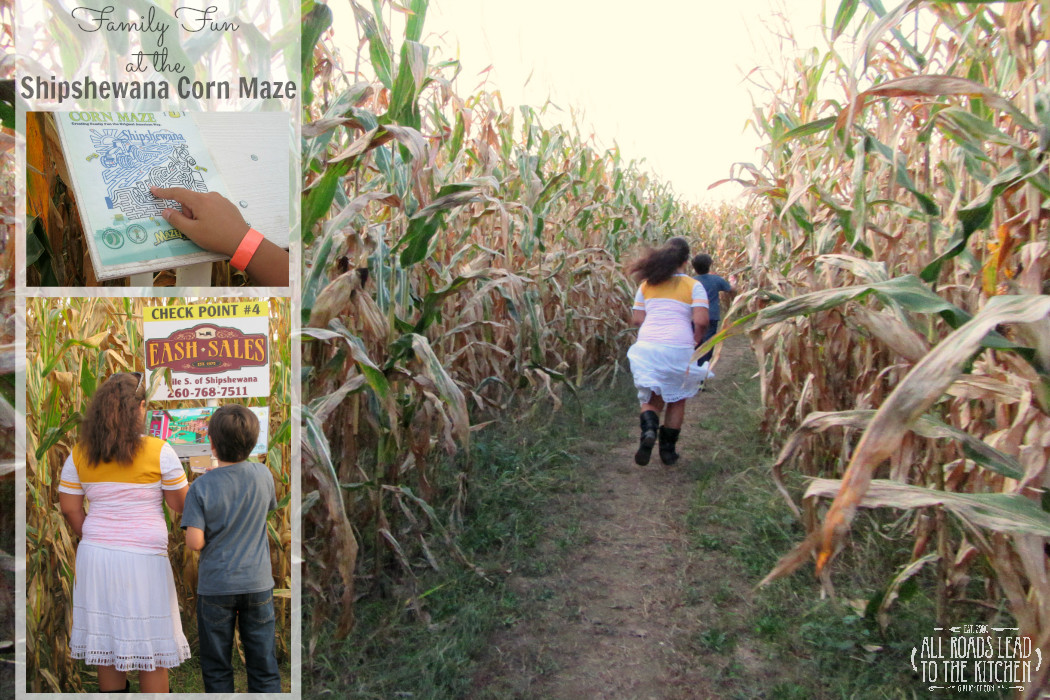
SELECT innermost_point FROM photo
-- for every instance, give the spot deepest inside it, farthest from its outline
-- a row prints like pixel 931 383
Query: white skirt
pixel 665 370
pixel 125 611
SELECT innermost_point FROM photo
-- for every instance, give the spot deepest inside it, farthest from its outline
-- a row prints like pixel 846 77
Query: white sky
pixel 663 80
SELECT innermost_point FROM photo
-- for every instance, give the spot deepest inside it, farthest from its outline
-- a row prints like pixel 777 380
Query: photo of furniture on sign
pixel 186 429
pixel 157 198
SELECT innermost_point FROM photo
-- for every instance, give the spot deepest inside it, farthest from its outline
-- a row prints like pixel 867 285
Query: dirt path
pixel 622 617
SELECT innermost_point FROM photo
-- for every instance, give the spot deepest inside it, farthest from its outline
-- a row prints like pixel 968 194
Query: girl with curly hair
pixel 125 610
pixel 671 310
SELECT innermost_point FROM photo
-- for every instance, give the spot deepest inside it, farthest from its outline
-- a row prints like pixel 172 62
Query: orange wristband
pixel 245 251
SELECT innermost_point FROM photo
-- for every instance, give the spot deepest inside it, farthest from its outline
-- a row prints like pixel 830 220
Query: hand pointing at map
pixel 214 223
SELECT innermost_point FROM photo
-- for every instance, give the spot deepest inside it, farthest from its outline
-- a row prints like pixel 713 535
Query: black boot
pixel 668 438
pixel 650 422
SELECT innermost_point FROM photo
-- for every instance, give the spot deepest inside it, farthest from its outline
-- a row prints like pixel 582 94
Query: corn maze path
pixel 622 618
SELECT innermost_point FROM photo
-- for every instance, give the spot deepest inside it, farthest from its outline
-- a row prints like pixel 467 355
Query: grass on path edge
pixel 427 640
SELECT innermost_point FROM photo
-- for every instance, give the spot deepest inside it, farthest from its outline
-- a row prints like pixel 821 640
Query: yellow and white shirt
pixel 125 501
pixel 668 308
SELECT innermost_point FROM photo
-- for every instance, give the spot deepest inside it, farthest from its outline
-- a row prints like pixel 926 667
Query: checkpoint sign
pixel 214 351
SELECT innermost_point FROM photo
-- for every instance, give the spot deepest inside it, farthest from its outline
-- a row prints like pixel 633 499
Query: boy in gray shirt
pixel 225 519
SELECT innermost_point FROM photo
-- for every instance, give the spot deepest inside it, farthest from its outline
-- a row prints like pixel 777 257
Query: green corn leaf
pixel 975 216
pixel 378 43
pixel 55 434
pixel 809 128
pixel 847 8
pixel 318 201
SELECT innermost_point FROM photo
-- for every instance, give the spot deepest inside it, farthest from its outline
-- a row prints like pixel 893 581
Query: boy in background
pixel 225 520
pixel 713 284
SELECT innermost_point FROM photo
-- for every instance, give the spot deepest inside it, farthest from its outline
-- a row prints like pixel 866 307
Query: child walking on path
pixel 713 284
pixel 225 519
pixel 671 312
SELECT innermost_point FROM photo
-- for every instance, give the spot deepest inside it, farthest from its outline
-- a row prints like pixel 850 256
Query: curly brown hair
pixel 112 430
pixel 660 264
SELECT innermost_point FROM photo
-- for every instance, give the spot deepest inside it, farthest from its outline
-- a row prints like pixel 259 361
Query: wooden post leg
pixel 196 275
pixel 141 279
pixel 214 403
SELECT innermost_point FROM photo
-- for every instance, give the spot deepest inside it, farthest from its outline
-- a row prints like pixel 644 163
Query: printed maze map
pixel 134 161
pixel 114 158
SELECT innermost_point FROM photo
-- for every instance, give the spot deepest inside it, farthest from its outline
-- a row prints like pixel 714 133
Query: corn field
pixel 459 254
pixel 72 346
pixel 899 253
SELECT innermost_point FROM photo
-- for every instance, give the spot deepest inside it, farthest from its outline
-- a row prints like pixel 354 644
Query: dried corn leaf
pixel 999 512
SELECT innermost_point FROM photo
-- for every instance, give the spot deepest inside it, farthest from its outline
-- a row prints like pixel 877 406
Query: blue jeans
pixel 712 328
pixel 253 614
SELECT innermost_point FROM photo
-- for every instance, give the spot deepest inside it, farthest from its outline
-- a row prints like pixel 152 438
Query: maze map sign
pixel 113 159
pixel 214 351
